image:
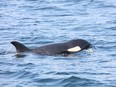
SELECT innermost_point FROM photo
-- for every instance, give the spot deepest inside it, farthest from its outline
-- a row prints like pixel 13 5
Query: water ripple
pixel 81 82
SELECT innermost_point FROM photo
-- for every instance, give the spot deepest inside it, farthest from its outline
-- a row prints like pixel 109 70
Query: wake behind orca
pixel 66 48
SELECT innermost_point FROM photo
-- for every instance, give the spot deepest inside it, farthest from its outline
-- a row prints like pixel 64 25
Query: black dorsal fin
pixel 20 47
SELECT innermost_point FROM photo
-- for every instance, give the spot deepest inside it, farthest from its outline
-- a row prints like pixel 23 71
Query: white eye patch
pixel 74 49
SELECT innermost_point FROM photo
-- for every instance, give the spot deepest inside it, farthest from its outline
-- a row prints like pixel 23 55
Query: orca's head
pixel 77 45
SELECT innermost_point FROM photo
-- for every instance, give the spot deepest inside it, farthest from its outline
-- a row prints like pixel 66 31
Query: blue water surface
pixel 40 22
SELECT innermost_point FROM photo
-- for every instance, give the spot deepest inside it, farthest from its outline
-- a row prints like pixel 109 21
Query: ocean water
pixel 40 22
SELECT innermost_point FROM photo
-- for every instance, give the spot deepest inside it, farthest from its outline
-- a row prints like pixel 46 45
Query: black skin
pixel 52 49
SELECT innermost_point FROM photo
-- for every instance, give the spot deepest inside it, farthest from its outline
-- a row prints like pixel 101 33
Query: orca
pixel 66 48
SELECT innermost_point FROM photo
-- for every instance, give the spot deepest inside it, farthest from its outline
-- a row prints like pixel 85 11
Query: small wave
pixel 26 74
pixel 27 64
pixel 20 55
pixel 81 82
pixel 64 73
pixel 49 82
pixel 16 75
pixel 72 81
pixel 82 73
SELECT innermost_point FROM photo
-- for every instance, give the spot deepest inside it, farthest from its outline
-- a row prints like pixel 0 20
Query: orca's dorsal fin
pixel 20 47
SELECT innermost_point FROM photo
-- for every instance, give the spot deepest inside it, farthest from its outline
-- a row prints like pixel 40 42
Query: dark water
pixel 40 22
